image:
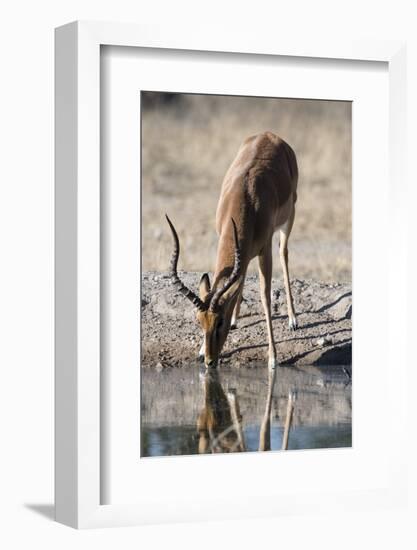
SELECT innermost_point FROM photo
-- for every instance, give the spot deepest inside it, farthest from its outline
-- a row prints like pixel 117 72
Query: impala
pixel 257 198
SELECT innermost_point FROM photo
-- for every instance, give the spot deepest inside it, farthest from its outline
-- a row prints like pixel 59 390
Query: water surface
pixel 191 410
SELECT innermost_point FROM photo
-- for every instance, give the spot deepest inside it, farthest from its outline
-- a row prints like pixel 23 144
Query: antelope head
pixel 214 305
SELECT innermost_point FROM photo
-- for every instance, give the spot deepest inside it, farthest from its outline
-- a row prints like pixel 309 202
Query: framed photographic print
pixel 218 203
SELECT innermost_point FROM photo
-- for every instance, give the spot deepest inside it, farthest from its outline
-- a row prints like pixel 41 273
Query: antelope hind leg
pixel 285 231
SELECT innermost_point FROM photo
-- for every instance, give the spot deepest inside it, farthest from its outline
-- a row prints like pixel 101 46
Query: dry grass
pixel 189 142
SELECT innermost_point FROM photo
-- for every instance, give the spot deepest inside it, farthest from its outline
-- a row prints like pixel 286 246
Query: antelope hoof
pixel 272 363
pixel 292 323
pixel 201 358
pixel 233 326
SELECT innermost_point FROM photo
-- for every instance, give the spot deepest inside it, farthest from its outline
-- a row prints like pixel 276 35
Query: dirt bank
pixel 171 337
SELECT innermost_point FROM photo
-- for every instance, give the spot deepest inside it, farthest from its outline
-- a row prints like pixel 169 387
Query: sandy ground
pixel 170 335
pixel 190 140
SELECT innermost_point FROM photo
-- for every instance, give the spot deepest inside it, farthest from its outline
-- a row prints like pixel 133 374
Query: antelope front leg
pixel 265 274
pixel 236 309
pixel 283 255
pixel 202 350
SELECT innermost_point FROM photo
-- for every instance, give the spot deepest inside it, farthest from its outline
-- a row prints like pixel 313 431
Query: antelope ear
pixel 204 286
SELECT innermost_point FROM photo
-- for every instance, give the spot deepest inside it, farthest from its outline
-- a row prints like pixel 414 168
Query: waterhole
pixel 192 410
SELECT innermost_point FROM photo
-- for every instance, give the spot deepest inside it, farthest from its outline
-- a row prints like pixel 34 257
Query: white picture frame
pixel 78 404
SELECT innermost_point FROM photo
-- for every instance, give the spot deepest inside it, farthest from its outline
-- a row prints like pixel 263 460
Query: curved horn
pixel 233 276
pixel 174 276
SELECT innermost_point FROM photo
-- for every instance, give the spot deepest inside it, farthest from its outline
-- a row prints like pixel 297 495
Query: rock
pixel 324 341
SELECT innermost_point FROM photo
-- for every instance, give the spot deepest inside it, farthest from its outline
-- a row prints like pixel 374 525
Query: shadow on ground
pixel 45 510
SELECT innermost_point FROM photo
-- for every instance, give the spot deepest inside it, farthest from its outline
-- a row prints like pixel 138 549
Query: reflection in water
pixel 265 432
pixel 219 422
pixel 190 411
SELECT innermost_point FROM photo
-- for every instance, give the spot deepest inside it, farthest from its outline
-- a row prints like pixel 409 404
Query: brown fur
pixel 259 192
